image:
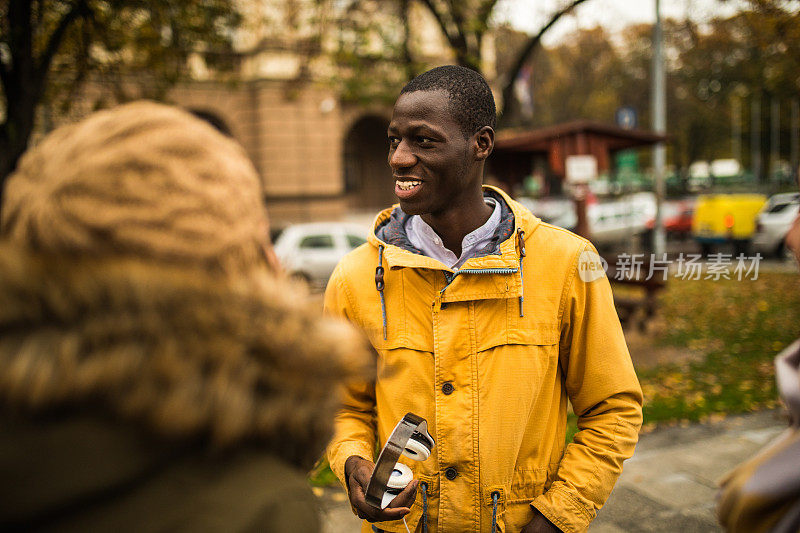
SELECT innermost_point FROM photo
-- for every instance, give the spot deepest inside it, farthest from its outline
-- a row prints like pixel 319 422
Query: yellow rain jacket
pixel 490 354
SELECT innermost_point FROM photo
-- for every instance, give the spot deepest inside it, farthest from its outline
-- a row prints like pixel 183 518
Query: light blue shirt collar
pixel 425 239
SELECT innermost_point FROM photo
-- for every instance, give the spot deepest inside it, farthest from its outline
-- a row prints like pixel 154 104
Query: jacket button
pixel 450 473
pixel 448 388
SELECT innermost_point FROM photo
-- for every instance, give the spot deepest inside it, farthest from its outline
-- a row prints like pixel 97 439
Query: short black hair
pixel 471 100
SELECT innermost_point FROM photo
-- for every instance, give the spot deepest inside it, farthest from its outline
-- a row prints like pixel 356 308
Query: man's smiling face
pixel 432 162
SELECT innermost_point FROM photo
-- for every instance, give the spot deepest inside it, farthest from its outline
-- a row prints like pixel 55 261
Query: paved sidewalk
pixel 668 485
pixel 336 516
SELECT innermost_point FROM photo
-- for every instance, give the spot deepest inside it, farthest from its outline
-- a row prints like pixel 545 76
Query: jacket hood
pixel 389 226
pixel 180 353
pixel 503 255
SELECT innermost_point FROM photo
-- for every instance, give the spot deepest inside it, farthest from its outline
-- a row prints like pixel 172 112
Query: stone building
pixel 320 151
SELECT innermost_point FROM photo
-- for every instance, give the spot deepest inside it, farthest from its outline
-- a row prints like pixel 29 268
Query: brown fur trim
pixel 184 353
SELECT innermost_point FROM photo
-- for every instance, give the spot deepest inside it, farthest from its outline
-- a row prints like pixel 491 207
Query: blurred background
pixel 704 102
pixel 653 127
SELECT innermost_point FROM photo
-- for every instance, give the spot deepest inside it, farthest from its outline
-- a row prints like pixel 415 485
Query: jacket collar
pixel 503 252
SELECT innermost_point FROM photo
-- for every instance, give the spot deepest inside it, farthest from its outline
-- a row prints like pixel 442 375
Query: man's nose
pixel 401 156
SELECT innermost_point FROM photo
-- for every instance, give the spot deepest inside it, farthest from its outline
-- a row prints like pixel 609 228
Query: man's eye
pixel 424 140
pixel 394 141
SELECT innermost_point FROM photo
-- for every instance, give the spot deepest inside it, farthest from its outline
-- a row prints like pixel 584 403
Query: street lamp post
pixel 755 137
pixel 658 105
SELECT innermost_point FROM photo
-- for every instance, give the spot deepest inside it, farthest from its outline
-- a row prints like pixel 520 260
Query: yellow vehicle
pixel 726 218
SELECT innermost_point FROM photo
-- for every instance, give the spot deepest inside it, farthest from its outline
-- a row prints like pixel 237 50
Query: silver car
pixel 311 251
pixel 773 224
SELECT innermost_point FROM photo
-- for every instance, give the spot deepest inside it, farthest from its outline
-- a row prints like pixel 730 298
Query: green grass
pixel 572 425
pixel 321 475
pixel 736 328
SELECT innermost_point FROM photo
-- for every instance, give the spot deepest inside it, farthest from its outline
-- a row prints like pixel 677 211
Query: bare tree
pixel 524 56
pixel 39 38
pixel 463 24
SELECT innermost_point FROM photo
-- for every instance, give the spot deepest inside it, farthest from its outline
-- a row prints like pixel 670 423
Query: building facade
pixel 309 96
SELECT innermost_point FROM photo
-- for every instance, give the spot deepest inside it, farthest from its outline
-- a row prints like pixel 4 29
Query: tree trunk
pixel 23 91
pixel 9 155
pixel 14 135
pixel 24 77
pixel 408 60
pixel 469 59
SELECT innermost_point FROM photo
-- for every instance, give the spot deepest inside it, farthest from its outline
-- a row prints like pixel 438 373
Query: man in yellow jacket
pixel 486 322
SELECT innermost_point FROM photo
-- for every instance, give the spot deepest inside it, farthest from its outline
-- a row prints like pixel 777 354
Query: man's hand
pixel 358 471
pixel 540 524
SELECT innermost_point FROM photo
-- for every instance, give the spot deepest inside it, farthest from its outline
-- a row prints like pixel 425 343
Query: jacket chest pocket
pixel 520 364
pixel 498 323
pixel 536 338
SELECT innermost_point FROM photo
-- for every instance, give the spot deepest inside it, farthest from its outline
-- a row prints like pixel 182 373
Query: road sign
pixel 626 118
pixel 581 169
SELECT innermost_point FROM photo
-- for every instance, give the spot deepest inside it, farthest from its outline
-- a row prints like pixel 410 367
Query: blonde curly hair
pixel 144 180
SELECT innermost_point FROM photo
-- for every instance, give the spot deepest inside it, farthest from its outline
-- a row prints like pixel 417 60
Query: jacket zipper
pixel 449 277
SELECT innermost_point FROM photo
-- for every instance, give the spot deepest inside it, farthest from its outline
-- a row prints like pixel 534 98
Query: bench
pixel 639 308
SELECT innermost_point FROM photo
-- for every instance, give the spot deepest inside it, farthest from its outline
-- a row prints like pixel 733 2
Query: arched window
pixel 367 176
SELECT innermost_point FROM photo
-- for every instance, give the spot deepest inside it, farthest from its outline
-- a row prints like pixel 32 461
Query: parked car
pixel 558 211
pixel 677 216
pixel 621 220
pixel 726 219
pixel 611 222
pixel 773 223
pixel 311 251
pixel 699 176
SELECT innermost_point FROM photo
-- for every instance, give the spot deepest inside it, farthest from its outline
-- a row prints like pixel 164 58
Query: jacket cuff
pixel 338 457
pixel 564 509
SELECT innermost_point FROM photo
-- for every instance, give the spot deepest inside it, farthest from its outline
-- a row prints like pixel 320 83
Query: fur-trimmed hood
pixel 175 351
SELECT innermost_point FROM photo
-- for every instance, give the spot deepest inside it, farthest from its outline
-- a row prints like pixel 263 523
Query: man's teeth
pixel 407 185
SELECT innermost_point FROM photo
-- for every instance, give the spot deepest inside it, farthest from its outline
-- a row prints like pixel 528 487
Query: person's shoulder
pixel 365 257
pixel 356 263
pixel 559 244
pixel 543 238
pixel 559 236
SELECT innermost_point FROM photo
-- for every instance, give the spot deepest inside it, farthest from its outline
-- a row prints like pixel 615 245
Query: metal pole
pixel 795 136
pixel 774 137
pixel 736 128
pixel 658 104
pixel 755 138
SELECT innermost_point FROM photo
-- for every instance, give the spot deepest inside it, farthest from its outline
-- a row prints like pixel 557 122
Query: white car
pixel 773 224
pixel 621 220
pixel 311 251
pixel 557 211
pixel 610 222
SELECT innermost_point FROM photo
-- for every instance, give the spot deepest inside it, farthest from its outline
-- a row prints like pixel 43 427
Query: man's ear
pixel 484 143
